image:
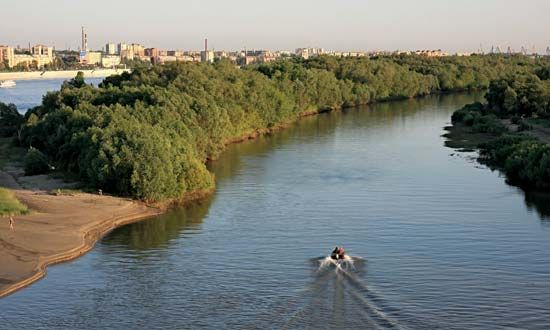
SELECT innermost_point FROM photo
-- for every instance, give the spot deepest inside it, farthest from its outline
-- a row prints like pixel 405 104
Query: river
pixel 445 242
pixel 28 93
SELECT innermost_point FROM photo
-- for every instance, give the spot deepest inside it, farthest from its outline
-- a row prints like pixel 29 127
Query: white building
pixel 121 47
pixel 90 58
pixel 110 49
pixel 207 56
pixel 110 61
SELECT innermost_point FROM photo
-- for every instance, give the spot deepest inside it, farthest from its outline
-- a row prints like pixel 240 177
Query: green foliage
pixel 10 120
pixel 524 159
pixel 10 152
pixel 543 72
pixel 476 117
pixel 35 162
pixel 9 205
pixel 522 95
pixel 76 82
pixel 147 133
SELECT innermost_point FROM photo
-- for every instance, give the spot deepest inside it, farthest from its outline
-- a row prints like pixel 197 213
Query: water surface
pixel 28 93
pixel 447 244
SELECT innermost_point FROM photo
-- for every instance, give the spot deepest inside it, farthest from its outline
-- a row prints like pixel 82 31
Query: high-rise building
pixel 110 49
pixel 138 50
pixel 121 47
pixel 7 55
pixel 152 52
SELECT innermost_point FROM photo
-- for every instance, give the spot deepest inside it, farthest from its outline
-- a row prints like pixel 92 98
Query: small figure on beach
pixel 11 222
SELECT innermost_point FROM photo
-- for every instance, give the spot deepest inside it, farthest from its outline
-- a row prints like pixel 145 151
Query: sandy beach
pixel 59 227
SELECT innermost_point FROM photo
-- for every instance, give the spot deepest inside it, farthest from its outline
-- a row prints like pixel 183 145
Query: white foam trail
pixel 342 264
pixel 367 303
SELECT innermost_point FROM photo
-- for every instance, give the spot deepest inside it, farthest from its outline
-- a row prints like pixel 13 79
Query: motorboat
pixel 338 254
pixel 7 83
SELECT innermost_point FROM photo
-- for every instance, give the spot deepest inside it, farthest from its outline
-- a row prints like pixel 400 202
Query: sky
pixel 362 25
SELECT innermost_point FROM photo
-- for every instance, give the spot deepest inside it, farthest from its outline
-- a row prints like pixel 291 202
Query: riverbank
pixel 59 228
pixel 518 149
pixel 36 75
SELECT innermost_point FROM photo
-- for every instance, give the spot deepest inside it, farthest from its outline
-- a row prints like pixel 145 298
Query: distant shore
pixel 38 75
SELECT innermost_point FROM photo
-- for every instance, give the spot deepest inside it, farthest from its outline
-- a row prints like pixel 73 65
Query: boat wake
pixel 336 298
pixel 348 263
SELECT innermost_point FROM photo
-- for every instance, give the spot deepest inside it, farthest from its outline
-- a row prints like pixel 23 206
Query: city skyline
pixel 348 25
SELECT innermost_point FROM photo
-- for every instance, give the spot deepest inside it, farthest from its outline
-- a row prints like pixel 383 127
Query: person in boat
pixel 338 253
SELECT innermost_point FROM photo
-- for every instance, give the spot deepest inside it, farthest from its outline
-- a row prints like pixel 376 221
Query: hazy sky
pixel 452 25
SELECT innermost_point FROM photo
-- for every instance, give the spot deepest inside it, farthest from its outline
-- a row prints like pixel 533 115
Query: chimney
pixel 205 45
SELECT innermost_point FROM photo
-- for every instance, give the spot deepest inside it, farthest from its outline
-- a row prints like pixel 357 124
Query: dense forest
pixel 147 134
pixel 517 118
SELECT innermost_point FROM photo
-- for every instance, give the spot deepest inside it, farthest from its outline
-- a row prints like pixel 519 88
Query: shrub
pixel 524 126
pixel 35 162
pixel 10 120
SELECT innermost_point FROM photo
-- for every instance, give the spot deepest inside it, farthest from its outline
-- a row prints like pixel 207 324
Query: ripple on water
pixel 446 245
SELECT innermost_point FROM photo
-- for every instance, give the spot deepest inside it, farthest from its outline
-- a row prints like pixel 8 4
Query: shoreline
pixel 65 74
pixel 59 229
pixel 90 231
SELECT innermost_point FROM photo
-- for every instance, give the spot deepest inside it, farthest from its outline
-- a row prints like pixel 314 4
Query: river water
pixel 28 93
pixel 446 243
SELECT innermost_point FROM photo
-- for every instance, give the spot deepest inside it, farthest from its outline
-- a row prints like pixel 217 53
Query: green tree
pixel 509 102
pixel 10 120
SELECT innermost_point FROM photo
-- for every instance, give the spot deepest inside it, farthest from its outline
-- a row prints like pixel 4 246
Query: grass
pixel 9 153
pixel 69 191
pixel 9 205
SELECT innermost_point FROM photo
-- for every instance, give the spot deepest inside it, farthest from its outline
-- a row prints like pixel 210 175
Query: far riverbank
pixel 35 75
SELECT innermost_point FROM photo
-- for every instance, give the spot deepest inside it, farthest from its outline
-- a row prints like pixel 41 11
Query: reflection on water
pixel 446 244
pixel 540 202
pixel 155 233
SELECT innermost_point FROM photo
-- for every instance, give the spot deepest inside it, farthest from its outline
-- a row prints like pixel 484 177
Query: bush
pixel 524 126
pixel 35 162
pixel 10 120
pixel 524 159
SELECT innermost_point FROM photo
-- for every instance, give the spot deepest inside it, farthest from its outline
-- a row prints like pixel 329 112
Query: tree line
pixel 520 100
pixel 147 133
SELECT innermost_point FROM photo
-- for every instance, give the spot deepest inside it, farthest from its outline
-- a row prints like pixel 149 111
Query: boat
pixel 338 254
pixel 7 83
